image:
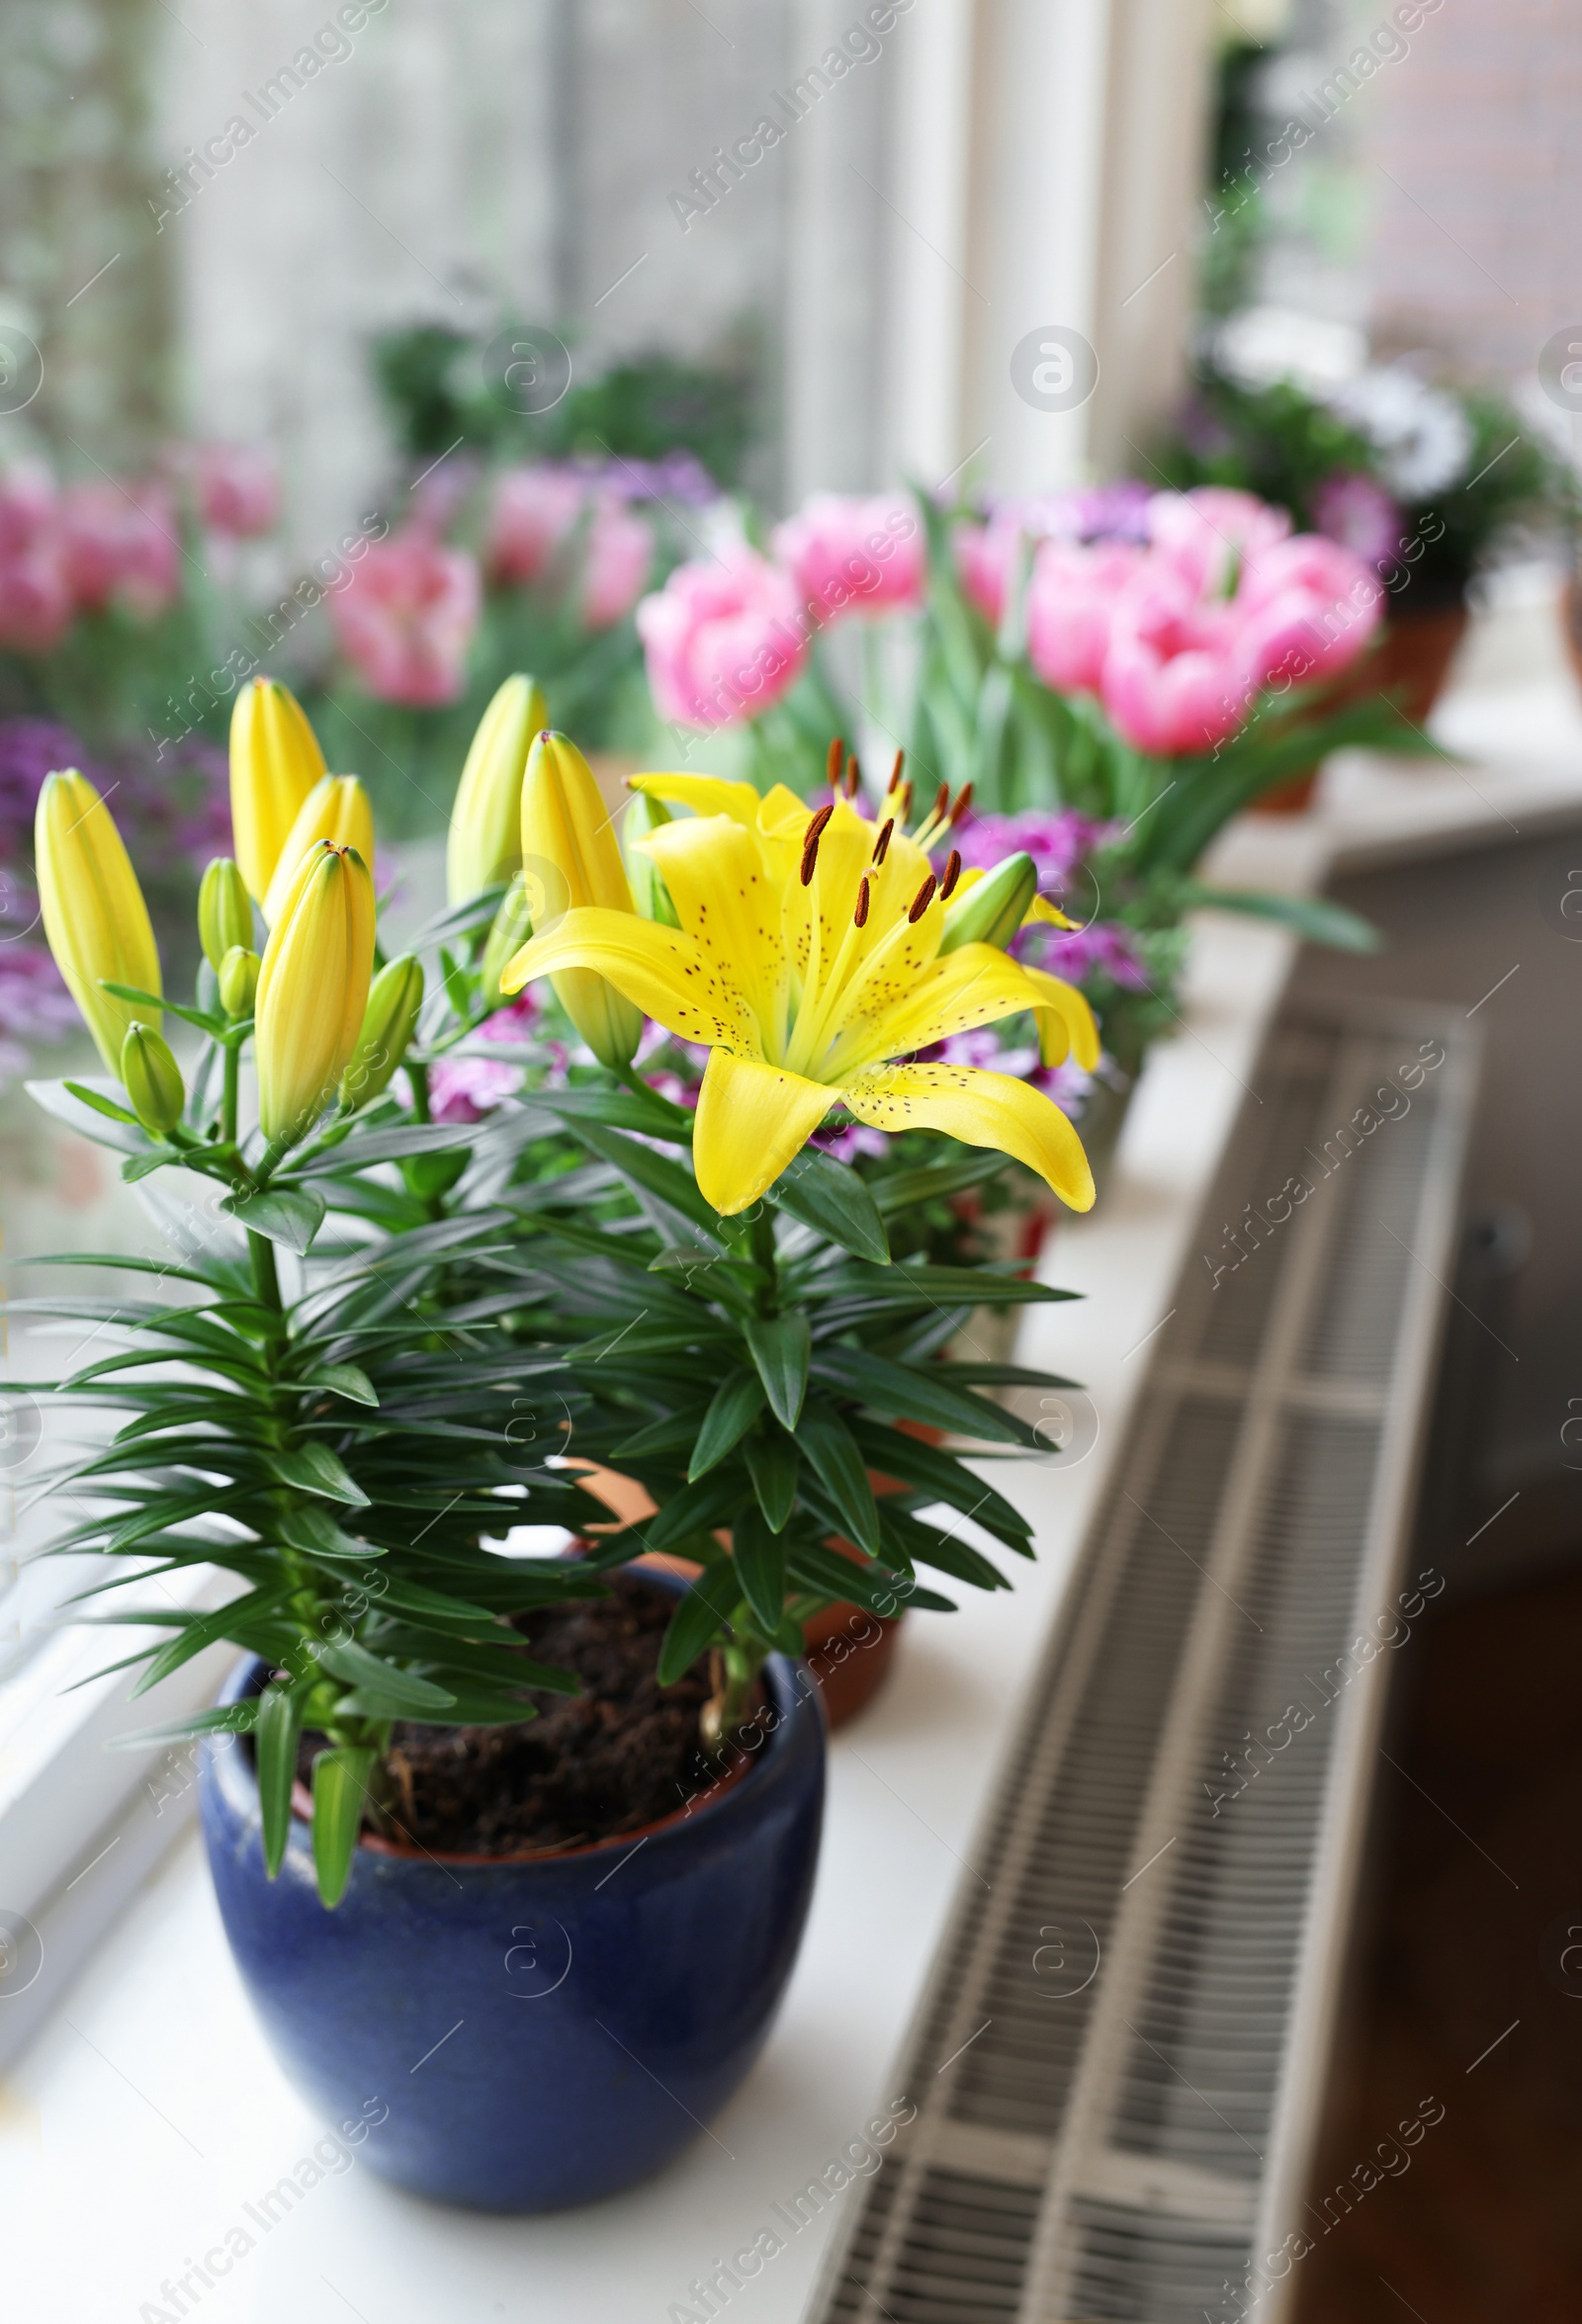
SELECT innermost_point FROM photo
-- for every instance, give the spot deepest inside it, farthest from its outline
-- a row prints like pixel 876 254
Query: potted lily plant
pixel 517 1844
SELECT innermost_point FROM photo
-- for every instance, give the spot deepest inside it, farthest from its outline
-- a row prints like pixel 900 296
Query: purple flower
pixel 1355 510
pixel 1057 839
pixel 465 1089
pixel 34 1005
pixel 1105 949
pixel 30 749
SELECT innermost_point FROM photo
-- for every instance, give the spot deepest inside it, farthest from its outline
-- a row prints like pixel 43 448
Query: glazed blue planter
pixel 542 2030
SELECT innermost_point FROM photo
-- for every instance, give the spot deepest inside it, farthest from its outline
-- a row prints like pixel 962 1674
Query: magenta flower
pixel 723 639
pixel 1174 680
pixel 848 554
pixel 1211 534
pixel 1355 510
pixel 36 605
pixel 1057 839
pixel 616 556
pixel 121 543
pixel 238 489
pixel 406 619
pixel 1308 609
pixel 534 510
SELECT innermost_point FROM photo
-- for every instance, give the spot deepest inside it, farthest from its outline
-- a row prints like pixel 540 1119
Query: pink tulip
pixel 1211 533
pixel 1309 607
pixel 1173 678
pixel 616 556
pixel 854 555
pixel 534 510
pixel 238 490
pixel 121 542
pixel 408 617
pixel 36 606
pixel 1072 601
pixel 723 639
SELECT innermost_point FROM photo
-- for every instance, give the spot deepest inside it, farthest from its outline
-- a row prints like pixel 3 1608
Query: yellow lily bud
pixel 153 1081
pixel 388 1022
pixel 509 931
pixel 570 858
pixel 336 809
pixel 224 911
pixel 94 914
pixel 484 845
pixel 313 988
pixel 274 761
pixel 649 892
pixel 237 977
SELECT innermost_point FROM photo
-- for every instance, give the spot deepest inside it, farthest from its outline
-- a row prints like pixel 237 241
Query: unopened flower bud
pixel 239 981
pixel 992 908
pixel 508 932
pixel 224 911
pixel 649 892
pixel 485 843
pixel 151 1079
pixel 393 1000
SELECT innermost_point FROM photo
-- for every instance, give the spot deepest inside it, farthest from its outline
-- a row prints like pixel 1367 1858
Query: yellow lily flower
pixel 336 809
pixel 94 914
pixel 571 863
pixel 807 960
pixel 313 988
pixel 274 761
pixel 484 842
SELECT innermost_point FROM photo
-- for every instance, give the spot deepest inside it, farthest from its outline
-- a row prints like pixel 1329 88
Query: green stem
pixel 417 1079
pixel 266 1277
pixel 231 1093
pixel 761 1246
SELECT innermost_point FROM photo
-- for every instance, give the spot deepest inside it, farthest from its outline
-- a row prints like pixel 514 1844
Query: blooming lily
pixel 807 960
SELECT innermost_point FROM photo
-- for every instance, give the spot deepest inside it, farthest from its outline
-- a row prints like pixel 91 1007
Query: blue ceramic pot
pixel 542 2030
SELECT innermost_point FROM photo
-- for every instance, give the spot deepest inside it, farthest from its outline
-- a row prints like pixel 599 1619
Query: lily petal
pixel 703 793
pixel 976 985
pixel 981 1109
pixel 1065 1021
pixel 752 1119
pixel 714 871
pixel 659 969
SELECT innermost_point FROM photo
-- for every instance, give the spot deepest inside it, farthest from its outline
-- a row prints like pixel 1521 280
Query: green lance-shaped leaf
pixel 278 1723
pixel 780 1346
pixel 759 1555
pixel 340 1787
pixel 738 1402
pixel 772 1464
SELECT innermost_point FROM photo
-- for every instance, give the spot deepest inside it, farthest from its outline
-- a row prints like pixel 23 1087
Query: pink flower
pixel 465 1089
pixel 406 619
pixel 1211 533
pixel 1070 609
pixel 238 490
pixel 616 558
pixel 853 556
pixel 535 509
pixel 121 542
pixel 1173 678
pixel 723 639
pixel 36 605
pixel 1308 608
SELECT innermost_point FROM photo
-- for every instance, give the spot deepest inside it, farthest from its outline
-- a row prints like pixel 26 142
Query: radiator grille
pixel 1168 1857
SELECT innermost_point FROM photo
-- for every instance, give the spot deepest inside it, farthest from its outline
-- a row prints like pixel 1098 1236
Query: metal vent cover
pixel 1127 2135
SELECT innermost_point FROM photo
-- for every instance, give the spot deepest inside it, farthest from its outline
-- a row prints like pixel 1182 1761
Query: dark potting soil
pixel 620 1755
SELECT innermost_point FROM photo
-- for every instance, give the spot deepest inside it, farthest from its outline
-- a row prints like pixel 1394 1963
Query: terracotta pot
pixel 848 1650
pixel 1410 661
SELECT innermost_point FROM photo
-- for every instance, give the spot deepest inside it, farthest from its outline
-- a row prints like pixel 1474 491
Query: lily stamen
pixel 953 875
pixel 861 916
pixel 832 761
pixel 881 846
pixel 922 901
pixel 810 845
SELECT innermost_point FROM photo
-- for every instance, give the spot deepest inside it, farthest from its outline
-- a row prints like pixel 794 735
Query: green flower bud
pixel 994 908
pixel 224 911
pixel 239 981
pixel 509 931
pixel 393 1000
pixel 649 892
pixel 151 1079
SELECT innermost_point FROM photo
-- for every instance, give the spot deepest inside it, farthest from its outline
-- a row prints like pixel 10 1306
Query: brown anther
pixel 832 762
pixel 923 897
pixel 895 772
pixel 947 885
pixel 941 799
pixel 958 814
pixel 861 916
pixel 881 846
pixel 853 775
pixel 810 845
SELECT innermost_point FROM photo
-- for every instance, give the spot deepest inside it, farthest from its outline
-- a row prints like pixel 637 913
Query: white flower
pixel 1420 433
